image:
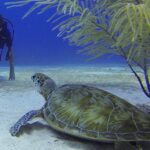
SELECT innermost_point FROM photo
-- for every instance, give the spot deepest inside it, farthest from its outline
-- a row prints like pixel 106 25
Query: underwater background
pixel 38 49
pixel 35 44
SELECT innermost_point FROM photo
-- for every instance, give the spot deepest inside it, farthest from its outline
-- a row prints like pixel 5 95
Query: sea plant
pixel 102 27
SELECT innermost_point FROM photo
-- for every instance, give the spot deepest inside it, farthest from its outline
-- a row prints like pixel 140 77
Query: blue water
pixel 35 43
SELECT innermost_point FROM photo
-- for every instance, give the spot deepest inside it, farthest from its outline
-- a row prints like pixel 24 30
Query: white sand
pixel 18 97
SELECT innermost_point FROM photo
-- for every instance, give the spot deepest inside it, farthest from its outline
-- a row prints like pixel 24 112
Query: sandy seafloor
pixel 19 96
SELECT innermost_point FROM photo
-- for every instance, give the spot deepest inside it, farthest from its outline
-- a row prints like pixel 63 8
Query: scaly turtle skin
pixel 87 112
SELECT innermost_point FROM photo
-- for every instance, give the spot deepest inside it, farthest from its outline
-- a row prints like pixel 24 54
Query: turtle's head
pixel 44 84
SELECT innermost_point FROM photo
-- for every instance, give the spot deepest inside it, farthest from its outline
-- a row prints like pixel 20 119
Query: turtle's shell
pixel 91 113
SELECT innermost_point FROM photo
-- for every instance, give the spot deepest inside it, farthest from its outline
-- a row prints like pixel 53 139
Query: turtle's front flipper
pixel 24 120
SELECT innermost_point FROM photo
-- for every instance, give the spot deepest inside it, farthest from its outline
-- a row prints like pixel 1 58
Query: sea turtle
pixel 87 112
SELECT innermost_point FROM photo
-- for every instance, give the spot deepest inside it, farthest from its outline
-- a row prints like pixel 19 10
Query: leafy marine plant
pixel 102 27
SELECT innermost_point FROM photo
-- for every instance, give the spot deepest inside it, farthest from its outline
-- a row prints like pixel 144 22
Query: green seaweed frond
pixel 129 17
pixel 62 6
pixel 84 31
pixel 86 25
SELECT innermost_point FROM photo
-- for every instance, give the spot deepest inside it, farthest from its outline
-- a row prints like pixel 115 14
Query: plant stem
pixel 139 79
pixel 146 76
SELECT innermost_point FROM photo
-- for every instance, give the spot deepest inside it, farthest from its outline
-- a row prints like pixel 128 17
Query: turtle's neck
pixel 48 93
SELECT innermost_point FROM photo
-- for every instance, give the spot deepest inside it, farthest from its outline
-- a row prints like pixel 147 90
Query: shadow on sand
pixel 71 141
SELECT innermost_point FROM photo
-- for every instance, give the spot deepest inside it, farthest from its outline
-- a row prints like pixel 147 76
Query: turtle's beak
pixel 33 78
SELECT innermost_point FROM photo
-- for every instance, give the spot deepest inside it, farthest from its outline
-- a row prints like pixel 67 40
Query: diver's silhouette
pixel 6 38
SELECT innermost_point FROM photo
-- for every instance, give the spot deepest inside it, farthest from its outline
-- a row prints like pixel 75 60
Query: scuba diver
pixel 6 39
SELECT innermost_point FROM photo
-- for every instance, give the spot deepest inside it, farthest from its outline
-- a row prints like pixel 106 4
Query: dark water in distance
pixel 35 43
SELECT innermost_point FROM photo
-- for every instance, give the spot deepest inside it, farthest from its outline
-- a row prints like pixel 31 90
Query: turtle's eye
pixel 39 83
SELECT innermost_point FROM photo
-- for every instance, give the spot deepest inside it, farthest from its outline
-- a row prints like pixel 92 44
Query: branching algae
pixel 103 27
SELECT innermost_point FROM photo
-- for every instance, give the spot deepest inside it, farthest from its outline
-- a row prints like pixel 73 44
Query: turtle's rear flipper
pixel 24 120
pixel 124 146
